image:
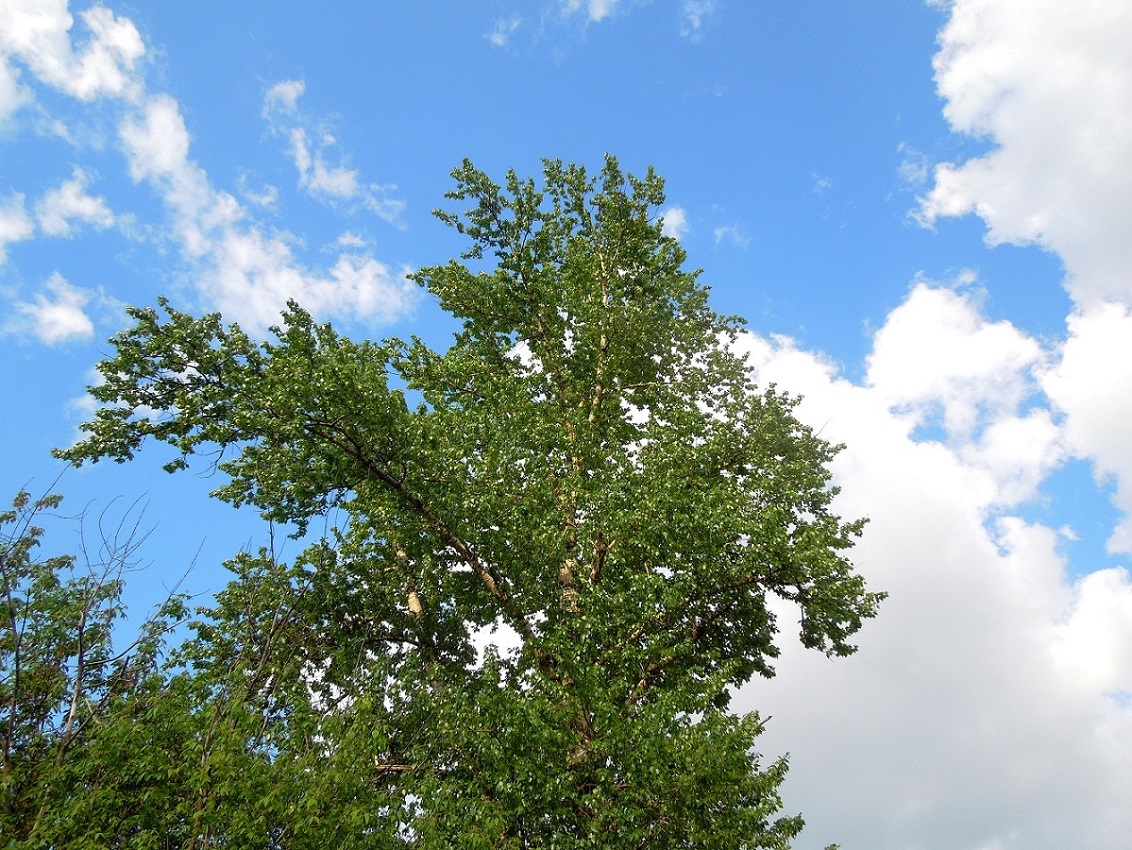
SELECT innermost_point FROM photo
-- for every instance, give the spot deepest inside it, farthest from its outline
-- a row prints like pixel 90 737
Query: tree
pixel 65 683
pixel 588 467
pixel 104 746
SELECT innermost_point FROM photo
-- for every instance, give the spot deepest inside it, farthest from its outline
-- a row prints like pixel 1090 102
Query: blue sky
pixel 921 208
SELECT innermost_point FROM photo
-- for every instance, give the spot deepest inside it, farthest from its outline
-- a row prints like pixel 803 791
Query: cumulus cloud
pixel 1094 644
pixel 990 705
pixel 62 207
pixel 936 352
pixel 937 363
pixel 15 225
pixel 246 273
pixel 1092 383
pixel 675 222
pixel 1048 85
pixel 38 33
pixel 55 315
pixel 251 276
pixel 324 171
pixel 980 709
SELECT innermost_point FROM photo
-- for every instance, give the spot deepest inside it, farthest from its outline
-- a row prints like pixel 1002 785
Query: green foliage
pixel 62 679
pixel 588 466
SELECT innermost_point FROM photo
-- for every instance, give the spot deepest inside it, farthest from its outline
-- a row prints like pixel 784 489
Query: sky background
pixel 921 208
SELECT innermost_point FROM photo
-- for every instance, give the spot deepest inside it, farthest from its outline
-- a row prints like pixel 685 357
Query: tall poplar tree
pixel 587 468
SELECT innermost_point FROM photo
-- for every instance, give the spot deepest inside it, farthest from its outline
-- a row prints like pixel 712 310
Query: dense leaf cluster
pixel 588 468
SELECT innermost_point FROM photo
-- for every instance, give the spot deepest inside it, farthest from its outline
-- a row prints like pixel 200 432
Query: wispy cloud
pixel 237 266
pixel 594 10
pixel 914 171
pixel 696 15
pixel 324 170
pixel 731 233
pixel 12 95
pixel 247 273
pixel 504 29
pixel 15 224
pixel 264 196
pixel 283 98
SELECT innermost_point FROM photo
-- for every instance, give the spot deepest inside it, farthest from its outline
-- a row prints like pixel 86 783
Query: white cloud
pixel 936 351
pixel 915 167
pixel 12 94
pixel 1092 383
pixel 323 169
pixel 70 203
pixel 106 64
pixel 989 706
pixel 595 10
pixel 504 29
pixel 265 196
pixel 350 240
pixel 675 222
pixel 156 143
pixel 247 274
pixel 15 225
pixel 57 315
pixel 1017 451
pixel 283 97
pixel 236 265
pixel 250 276
pixel 1048 84
pixel 980 707
pixel 696 14
pixel 321 179
pixel 731 233
pixel 1094 644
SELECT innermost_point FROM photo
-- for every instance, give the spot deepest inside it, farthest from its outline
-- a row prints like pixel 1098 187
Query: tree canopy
pixel 588 468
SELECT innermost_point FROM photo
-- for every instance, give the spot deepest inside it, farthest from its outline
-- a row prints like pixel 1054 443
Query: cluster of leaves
pixel 588 467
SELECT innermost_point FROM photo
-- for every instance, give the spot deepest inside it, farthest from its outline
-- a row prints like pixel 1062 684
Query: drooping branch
pixel 495 586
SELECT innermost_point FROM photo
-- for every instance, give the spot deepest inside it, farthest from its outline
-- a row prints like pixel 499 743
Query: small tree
pixel 63 680
pixel 588 466
pixel 104 746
